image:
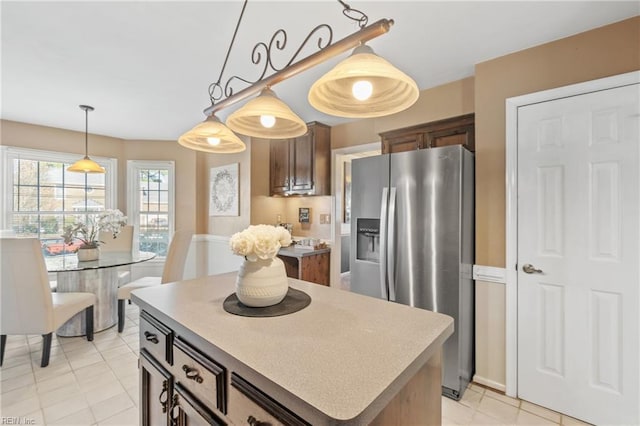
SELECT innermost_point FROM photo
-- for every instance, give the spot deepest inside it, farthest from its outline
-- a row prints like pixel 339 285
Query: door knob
pixel 530 269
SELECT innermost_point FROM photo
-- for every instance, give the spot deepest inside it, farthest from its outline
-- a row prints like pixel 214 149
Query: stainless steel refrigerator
pixel 412 241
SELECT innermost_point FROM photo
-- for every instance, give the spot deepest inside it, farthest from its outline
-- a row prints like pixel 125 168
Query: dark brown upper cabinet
pixel 301 166
pixel 451 131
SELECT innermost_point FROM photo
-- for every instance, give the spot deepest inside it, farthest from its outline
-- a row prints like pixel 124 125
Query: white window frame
pixel 10 153
pixel 133 191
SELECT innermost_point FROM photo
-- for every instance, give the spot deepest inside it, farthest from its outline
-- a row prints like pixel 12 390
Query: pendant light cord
pixel 354 14
pixel 86 132
pixel 215 85
pixel 86 109
pixel 222 97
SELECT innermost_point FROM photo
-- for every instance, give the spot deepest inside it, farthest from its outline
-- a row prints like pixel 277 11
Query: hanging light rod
pixel 365 34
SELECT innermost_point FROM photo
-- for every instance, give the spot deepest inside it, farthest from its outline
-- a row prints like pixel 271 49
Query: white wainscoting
pixel 208 255
pixel 150 268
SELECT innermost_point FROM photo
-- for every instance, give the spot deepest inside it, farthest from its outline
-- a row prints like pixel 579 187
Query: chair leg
pixel 46 349
pixel 88 312
pixel 3 343
pixel 121 307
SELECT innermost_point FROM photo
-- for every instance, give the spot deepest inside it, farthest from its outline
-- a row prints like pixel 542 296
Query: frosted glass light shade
pixel 393 90
pixel 203 137
pixel 247 120
pixel 86 165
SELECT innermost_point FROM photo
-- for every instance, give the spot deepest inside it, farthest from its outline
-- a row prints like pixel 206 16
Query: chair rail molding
pixel 490 274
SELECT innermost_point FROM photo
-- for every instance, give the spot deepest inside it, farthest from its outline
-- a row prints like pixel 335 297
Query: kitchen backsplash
pixel 270 209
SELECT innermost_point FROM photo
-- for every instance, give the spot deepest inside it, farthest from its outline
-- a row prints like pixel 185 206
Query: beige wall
pixel 53 139
pixel 265 209
pixel 602 52
pixel 32 136
pixel 221 225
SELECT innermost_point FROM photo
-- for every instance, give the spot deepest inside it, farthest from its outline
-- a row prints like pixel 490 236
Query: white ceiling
pixel 146 66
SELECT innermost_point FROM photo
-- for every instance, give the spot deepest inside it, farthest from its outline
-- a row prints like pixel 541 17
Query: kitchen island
pixel 344 359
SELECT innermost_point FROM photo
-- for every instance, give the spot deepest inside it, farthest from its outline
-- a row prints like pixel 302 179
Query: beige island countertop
pixel 344 359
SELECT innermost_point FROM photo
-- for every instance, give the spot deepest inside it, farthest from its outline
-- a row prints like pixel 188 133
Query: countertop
pixel 345 355
pixel 293 252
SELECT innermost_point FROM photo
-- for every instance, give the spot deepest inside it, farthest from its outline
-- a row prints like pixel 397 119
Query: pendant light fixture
pixel 363 85
pixel 86 165
pixel 266 116
pixel 212 136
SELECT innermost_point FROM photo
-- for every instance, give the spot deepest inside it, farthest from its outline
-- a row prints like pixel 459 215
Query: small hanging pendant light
pixel 212 136
pixel 363 85
pixel 267 117
pixel 86 165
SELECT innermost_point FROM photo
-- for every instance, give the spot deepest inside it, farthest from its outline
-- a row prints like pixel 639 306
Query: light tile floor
pixel 483 406
pixel 86 383
pixel 96 383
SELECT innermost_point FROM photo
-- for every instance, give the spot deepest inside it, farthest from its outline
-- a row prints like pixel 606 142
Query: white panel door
pixel 578 228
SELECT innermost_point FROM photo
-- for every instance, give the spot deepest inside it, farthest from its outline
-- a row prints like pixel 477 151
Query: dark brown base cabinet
pixel 201 365
pixel 314 268
pixel 181 386
pixel 156 387
pixel 450 131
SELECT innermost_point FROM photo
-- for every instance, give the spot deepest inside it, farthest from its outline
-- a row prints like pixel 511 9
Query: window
pixel 151 203
pixel 41 197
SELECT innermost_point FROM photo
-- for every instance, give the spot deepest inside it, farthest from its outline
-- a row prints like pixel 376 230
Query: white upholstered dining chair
pixel 27 303
pixel 173 271
pixel 123 243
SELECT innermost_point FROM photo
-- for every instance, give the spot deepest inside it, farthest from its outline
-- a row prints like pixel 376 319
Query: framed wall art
pixel 224 191
pixel 304 215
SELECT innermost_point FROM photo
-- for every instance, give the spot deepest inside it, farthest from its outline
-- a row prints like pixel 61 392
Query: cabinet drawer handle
pixel 252 421
pixel 163 398
pixel 174 419
pixel 192 374
pixel 150 337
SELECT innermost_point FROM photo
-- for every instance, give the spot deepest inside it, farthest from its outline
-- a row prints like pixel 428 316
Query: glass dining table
pixel 97 276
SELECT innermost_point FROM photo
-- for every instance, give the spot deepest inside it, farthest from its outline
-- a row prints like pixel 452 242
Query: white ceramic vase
pixel 88 254
pixel 262 283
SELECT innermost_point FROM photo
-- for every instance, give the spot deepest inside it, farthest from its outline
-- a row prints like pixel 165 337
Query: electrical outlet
pixel 325 219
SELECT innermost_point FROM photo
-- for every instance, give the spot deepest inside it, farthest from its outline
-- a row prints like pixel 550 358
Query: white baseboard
pixel 489 383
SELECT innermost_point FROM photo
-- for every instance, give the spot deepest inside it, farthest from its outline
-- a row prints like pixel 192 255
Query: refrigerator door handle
pixel 383 243
pixel 390 246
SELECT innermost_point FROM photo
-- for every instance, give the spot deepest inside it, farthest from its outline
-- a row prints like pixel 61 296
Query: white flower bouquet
pixel 260 242
pixel 108 221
